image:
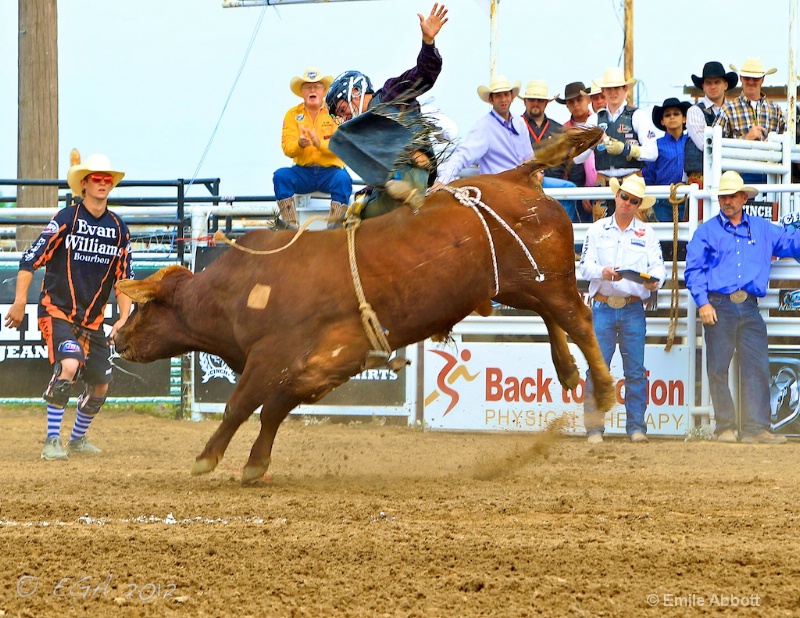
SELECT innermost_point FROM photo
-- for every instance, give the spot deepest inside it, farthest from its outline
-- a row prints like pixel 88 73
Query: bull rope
pixel 673 299
pixel 462 194
pixel 219 236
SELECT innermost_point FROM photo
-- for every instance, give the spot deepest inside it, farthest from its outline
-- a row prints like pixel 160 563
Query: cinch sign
pixel 513 386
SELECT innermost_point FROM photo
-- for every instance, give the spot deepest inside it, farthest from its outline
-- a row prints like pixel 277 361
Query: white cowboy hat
pixel 595 89
pixel 310 76
pixel 633 185
pixel 614 77
pixel 731 182
pixel 753 67
pixel 536 89
pixel 497 84
pixel 93 163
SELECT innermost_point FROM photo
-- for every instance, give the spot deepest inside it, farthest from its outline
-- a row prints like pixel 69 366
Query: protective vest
pixel 620 129
pixel 692 155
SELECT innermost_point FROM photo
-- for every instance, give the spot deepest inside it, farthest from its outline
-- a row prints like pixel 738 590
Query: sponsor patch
pixel 69 347
pixel 300 117
pixel 50 229
pixel 637 242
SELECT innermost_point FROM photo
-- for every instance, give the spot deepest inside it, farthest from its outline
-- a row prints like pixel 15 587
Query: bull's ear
pixel 138 291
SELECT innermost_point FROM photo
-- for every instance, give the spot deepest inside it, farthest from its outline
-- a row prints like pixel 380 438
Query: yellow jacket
pixel 324 126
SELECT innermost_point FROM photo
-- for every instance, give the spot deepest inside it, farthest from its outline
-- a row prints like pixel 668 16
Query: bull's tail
pixel 560 149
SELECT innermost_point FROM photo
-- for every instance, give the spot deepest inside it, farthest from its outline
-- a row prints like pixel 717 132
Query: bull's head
pixel 154 329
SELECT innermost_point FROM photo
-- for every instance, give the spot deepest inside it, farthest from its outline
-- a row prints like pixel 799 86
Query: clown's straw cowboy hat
pixel 498 84
pixel 633 185
pixel 658 111
pixel 753 67
pixel 94 163
pixel 715 69
pixel 573 91
pixel 536 89
pixel 310 76
pixel 613 78
pixel 731 182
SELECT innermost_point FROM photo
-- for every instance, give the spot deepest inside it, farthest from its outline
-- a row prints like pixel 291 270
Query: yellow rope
pixel 673 303
pixel 219 236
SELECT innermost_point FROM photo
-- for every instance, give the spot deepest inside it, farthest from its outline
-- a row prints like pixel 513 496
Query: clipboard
pixel 636 276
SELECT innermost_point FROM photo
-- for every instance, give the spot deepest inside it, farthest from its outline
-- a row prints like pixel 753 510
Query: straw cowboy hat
pixel 658 112
pixel 633 185
pixel 615 77
pixel 536 89
pixel 715 69
pixel 93 163
pixel 310 76
pixel 753 67
pixel 595 89
pixel 497 84
pixel 730 182
pixel 572 91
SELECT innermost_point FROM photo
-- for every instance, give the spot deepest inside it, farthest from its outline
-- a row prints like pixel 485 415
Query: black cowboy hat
pixel 571 91
pixel 658 112
pixel 715 69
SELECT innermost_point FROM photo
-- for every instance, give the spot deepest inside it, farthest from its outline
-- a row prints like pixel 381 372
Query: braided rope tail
pixel 673 299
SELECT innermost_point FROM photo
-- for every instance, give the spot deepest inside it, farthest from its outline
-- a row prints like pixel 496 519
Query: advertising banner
pixel 514 387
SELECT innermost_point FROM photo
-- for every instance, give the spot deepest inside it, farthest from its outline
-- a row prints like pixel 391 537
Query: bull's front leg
pixel 273 411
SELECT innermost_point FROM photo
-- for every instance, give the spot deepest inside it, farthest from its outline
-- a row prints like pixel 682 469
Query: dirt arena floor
pixel 371 520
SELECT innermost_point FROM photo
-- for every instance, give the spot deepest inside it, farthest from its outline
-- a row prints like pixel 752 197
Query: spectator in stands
pixel 596 97
pixel 630 135
pixel 614 244
pixel 667 169
pixel 85 249
pixel 714 82
pixel 727 270
pixel 751 115
pixel 351 94
pixel 576 98
pixel 541 128
pixel 307 130
pixel 498 141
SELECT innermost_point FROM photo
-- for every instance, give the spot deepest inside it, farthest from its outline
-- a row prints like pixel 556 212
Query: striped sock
pixel 54 416
pixel 82 422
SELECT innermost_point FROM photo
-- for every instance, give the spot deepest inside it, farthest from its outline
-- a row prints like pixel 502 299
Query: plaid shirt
pixel 737 116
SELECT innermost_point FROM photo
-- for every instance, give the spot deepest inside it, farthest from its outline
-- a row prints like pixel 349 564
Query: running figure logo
pixel 448 375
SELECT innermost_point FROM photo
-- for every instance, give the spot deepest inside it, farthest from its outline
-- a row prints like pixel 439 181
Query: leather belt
pixel 617 302
pixel 737 297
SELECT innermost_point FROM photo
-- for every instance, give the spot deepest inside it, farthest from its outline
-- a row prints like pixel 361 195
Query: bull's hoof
pixel 571 381
pixel 254 471
pixel 203 466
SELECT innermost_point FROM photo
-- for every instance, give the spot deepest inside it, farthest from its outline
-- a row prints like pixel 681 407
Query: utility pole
pixel 37 128
pixel 629 46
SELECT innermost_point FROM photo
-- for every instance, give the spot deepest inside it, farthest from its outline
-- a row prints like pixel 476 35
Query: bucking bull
pixel 290 322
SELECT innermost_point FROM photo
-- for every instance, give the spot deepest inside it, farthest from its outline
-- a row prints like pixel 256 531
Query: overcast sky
pixel 145 81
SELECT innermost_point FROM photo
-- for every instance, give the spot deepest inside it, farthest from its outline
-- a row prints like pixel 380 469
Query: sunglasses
pixel 101 178
pixel 627 198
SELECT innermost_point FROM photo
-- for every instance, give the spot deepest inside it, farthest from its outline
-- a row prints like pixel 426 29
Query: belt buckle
pixel 617 302
pixel 738 297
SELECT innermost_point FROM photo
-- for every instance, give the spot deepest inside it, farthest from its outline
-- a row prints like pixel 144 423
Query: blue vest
pixel 621 129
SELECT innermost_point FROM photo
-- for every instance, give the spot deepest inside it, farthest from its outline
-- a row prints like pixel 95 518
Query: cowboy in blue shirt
pixel 728 262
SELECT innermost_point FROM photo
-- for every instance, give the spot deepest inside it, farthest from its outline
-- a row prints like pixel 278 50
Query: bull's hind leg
pixel 564 314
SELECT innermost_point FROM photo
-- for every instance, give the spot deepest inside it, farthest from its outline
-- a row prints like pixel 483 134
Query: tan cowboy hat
pixel 753 67
pixel 633 185
pixel 731 182
pixel 310 76
pixel 93 163
pixel 614 77
pixel 595 89
pixel 497 84
pixel 536 89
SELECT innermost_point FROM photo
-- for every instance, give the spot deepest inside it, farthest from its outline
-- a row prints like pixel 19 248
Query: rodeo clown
pixel 85 250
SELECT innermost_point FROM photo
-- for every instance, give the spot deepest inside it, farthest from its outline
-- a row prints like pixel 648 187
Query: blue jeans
pixel 663 210
pixel 740 328
pixel 626 326
pixel 307 179
pixel 558 183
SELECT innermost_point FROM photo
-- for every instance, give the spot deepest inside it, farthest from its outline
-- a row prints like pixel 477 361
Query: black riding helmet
pixel 344 86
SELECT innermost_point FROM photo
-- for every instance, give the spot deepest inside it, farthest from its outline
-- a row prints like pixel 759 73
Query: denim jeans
pixel 626 327
pixel 309 178
pixel 663 210
pixel 559 183
pixel 739 327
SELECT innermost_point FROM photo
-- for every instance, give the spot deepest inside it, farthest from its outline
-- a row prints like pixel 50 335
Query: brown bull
pixel 289 323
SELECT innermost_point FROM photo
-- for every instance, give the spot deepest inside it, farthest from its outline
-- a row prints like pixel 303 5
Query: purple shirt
pixel 416 81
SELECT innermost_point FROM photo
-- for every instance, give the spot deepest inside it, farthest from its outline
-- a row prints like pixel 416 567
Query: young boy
pixel 668 167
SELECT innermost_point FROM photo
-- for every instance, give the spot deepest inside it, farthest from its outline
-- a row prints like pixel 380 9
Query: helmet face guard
pixel 344 87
